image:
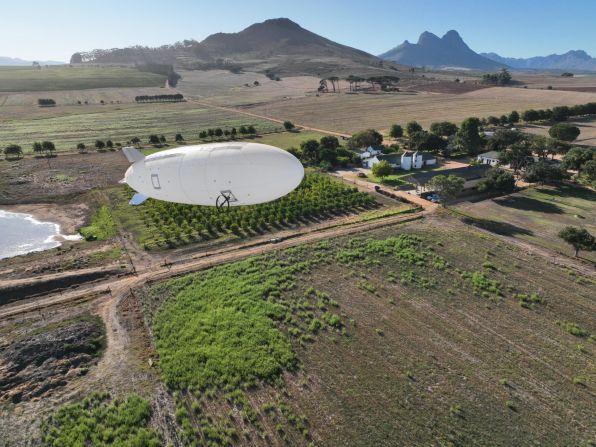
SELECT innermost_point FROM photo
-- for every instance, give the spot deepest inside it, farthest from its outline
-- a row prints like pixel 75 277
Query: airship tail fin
pixel 137 199
pixel 133 154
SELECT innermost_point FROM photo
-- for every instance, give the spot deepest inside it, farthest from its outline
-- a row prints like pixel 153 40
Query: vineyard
pixel 168 225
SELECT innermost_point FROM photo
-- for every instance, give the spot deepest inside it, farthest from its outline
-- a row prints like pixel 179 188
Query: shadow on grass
pixel 502 228
pixel 569 191
pixel 529 204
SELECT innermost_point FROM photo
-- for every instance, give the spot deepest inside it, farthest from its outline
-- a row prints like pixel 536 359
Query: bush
pixel 564 132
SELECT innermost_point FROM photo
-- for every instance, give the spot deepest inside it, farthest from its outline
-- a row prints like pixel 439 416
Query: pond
pixel 22 233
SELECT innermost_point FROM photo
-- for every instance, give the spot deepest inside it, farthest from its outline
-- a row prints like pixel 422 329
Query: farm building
pixel 371 151
pixel 471 174
pixel 489 158
pixel 407 161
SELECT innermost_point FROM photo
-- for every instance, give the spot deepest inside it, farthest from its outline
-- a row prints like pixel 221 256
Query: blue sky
pixel 36 29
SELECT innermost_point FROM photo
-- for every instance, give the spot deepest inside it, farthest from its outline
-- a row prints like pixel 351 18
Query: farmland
pixel 17 79
pixel 586 126
pixel 350 113
pixel 537 214
pixel 120 124
pixel 284 343
pixel 160 224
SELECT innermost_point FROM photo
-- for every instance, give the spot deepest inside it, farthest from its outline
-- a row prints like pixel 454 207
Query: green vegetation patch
pixel 102 225
pixel 100 420
pixel 169 225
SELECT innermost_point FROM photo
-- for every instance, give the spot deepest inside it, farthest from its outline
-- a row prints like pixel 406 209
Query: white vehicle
pixel 219 174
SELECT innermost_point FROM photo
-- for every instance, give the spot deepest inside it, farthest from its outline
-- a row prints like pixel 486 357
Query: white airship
pixel 218 174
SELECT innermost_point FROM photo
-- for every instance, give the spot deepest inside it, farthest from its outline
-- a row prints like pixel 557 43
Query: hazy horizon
pixel 515 29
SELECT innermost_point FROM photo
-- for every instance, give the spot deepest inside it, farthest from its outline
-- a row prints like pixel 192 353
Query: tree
pixel 517 156
pixel 82 148
pixel 542 172
pixel 179 138
pixel 162 139
pixel 493 120
pixel 497 180
pixel 578 238
pixel 382 169
pixel 37 148
pixel 76 58
pixel 365 138
pixel 396 131
pixel 135 140
pixel 513 117
pixel 13 151
pixel 48 147
pixel 233 132
pixel 443 128
pixel 99 145
pixel 153 139
pixel 577 157
pixel 310 150
pixel 423 140
pixel 560 113
pixel 468 139
pixel 530 115
pixel 218 132
pixel 243 130
pixel 503 138
pixel 412 127
pixel 589 170
pixel 501 78
pixel 109 144
pixel 203 134
pixel 564 132
pixel 288 125
pixel 251 130
pixel 448 187
pixel 329 142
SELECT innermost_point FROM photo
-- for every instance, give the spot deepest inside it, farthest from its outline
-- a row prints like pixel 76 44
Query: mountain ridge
pixel 447 51
pixel 18 62
pixel 571 60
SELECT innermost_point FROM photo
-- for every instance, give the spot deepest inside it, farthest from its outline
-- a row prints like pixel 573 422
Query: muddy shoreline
pixel 68 217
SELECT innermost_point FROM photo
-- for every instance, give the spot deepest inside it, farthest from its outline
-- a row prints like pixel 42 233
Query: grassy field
pixel 120 124
pixel 429 333
pixel 537 214
pixel 350 113
pixel 587 128
pixel 18 79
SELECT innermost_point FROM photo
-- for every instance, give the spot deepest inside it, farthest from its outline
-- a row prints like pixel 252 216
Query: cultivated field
pixel 586 126
pixel 424 334
pixel 350 113
pixel 69 125
pixel 65 77
pixel 537 214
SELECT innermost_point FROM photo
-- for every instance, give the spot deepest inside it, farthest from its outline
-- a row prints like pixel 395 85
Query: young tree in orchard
pixel 468 138
pixel 447 186
pixel 13 151
pixel 82 148
pixel 497 180
pixel 443 128
pixel 288 125
pixel 578 238
pixel 48 147
pixel 99 145
pixel 564 132
pixel 412 127
pixel 179 138
pixel 577 157
pixel 135 140
pixel 37 147
pixel 109 144
pixel 153 139
pixel 382 169
pixel 396 131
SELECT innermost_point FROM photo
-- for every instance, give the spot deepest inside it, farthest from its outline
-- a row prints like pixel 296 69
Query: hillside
pixel 278 45
pixel 577 60
pixel 15 61
pixel 450 51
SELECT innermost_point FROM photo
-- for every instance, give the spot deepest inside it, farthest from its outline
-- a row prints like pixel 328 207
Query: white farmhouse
pixel 489 158
pixel 371 151
pixel 415 160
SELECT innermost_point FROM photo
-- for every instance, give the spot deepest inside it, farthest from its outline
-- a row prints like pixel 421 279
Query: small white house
pixel 415 160
pixel 489 158
pixel 393 160
pixel 371 151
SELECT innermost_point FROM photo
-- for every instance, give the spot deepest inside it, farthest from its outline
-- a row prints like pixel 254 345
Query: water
pixel 21 233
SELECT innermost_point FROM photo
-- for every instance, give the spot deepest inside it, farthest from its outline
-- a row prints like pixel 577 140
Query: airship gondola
pixel 218 174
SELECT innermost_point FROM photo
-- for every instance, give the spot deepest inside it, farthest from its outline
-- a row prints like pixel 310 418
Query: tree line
pixel 385 83
pixel 160 98
pixel 46 102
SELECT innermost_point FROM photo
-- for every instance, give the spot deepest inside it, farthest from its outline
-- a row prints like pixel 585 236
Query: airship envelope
pixel 219 174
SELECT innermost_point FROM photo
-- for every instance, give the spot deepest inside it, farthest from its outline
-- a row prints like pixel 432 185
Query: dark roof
pixel 391 158
pixel 467 173
pixel 427 155
pixel 490 154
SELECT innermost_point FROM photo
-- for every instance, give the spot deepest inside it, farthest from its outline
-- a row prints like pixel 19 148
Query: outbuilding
pixel 489 158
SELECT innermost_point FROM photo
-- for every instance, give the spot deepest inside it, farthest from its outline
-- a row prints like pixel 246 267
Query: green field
pixel 120 124
pixel 420 334
pixel 537 215
pixel 19 79
pixel 159 224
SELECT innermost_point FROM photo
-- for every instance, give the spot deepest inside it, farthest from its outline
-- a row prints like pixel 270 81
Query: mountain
pixel 577 60
pixel 450 51
pixel 276 45
pixel 15 61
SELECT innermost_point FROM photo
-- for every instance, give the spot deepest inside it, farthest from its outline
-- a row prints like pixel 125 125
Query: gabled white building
pixel 371 151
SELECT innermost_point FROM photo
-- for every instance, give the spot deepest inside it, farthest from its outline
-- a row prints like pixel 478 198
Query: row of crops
pixel 319 196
